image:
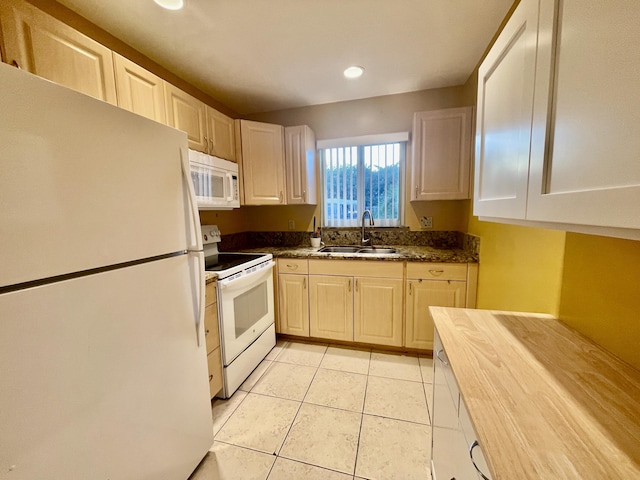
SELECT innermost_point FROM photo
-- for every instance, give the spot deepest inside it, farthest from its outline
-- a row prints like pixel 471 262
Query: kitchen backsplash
pixel 351 236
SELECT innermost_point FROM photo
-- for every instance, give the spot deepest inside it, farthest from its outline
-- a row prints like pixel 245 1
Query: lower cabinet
pixel 331 307
pixel 212 339
pixel 371 302
pixel 378 311
pixel 293 297
pixel 454 448
pixel 431 284
pixel 356 301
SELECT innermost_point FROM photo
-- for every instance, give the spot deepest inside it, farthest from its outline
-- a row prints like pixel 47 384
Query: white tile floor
pixel 315 412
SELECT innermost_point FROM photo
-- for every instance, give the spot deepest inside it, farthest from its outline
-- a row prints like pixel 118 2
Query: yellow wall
pixel 520 267
pixel 601 292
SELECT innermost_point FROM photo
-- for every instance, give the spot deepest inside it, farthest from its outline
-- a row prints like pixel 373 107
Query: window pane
pixel 362 178
pixel 341 189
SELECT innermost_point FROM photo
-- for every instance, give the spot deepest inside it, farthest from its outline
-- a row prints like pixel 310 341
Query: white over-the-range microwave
pixel 215 181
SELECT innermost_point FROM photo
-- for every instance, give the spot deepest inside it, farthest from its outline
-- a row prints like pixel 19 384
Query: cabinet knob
pixel 304 195
pixel 206 332
pixel 436 273
pixel 16 64
pixel 280 196
pixel 304 283
pixel 292 267
pixel 416 196
pixel 210 377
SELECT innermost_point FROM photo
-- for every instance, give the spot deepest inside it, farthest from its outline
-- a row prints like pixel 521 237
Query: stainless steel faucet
pixel 366 241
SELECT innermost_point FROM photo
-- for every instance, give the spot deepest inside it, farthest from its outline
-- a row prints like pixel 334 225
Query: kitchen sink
pixel 339 249
pixel 358 250
pixel 376 250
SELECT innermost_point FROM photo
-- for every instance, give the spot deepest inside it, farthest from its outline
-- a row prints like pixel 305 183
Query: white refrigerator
pixel 103 371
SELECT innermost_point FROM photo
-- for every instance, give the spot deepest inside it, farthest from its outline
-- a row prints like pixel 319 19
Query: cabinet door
pixel 262 163
pixel 300 165
pixel 331 307
pixel 422 294
pixel 378 311
pixel 186 113
pixel 221 135
pixel 503 124
pixel 46 47
pixel 441 154
pixel 591 173
pixel 214 363
pixel 294 304
pixel 139 90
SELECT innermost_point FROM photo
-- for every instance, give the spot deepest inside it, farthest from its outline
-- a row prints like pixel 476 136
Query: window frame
pixel 360 143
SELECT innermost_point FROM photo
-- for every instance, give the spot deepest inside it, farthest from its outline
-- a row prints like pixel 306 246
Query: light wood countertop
pixel 545 402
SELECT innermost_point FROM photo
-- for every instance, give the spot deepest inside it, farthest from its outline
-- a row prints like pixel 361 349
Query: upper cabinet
pixel 505 108
pixel 300 165
pixel 261 157
pixel 44 46
pixel 441 154
pixel 139 90
pixel 188 114
pixel 220 135
pixel 557 119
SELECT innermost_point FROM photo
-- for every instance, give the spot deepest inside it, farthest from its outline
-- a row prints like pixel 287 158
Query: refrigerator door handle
pixel 198 275
pixel 193 204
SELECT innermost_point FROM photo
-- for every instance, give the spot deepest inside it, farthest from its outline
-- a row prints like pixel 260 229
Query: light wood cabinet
pixel 220 137
pixel 293 296
pixel 44 46
pixel 441 157
pixel 261 161
pixel 331 307
pixel 378 311
pixel 139 90
pixel 434 284
pixel 556 121
pixel 356 300
pixel 212 339
pixel 300 165
pixel 188 114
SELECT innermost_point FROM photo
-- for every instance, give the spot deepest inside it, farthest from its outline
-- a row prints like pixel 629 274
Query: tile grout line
pixel 299 407
pixel 364 402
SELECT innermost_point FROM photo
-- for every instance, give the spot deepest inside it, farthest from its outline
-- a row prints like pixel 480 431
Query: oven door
pixel 246 310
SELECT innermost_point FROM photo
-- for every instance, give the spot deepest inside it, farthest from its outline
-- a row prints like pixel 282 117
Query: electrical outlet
pixel 292 224
pixel 426 222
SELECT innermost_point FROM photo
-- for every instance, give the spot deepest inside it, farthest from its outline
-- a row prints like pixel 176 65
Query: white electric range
pixel 245 308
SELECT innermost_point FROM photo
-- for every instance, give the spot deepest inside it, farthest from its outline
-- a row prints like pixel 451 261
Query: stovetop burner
pixel 225 261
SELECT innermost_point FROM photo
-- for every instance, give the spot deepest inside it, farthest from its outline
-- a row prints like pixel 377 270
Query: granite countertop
pixel 404 253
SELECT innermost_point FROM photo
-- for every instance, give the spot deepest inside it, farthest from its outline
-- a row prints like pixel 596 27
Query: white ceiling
pixel 263 55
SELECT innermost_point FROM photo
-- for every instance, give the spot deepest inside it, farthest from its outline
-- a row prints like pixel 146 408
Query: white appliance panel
pixel 84 184
pixel 103 376
pixel 246 310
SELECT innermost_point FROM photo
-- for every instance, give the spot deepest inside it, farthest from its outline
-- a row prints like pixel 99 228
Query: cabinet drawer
pixel 293 265
pixel 211 332
pixel 356 268
pixel 437 271
pixel 214 362
pixel 211 293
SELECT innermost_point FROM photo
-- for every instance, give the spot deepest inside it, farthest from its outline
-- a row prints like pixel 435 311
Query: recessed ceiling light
pixel 353 71
pixel 170 4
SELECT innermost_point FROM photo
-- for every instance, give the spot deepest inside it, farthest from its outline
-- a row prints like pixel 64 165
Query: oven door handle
pixel 247 281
